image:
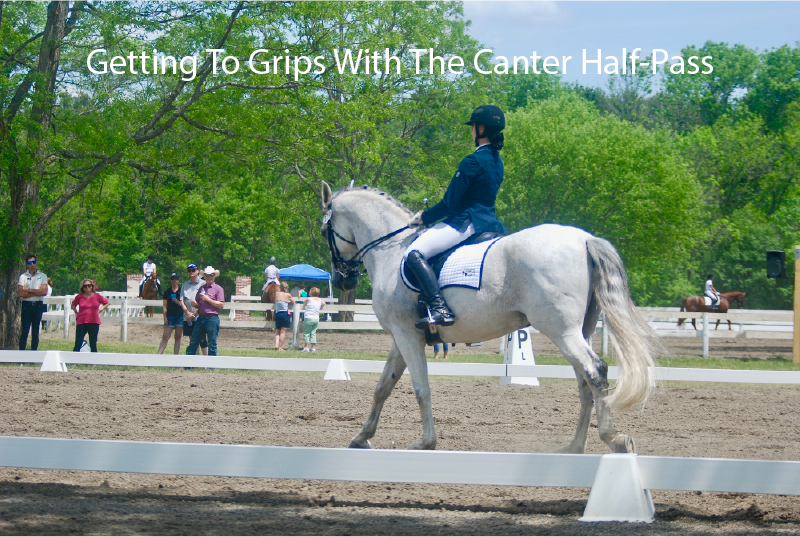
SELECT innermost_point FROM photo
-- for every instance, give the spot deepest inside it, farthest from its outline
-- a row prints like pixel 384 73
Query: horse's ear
pixel 327 195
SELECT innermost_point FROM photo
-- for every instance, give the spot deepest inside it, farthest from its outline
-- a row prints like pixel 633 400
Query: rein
pixel 350 267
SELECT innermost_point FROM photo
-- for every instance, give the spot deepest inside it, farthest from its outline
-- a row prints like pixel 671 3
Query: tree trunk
pixel 346 297
pixel 9 309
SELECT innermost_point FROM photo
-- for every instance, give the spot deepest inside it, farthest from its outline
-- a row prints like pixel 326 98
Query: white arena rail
pixel 620 483
pixel 339 369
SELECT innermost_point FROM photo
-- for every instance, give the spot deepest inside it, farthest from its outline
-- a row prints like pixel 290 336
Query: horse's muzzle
pixel 346 283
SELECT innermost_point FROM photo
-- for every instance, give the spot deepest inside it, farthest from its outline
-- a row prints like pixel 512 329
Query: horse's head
pixel 337 231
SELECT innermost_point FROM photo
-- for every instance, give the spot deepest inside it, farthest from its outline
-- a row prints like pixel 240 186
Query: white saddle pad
pixel 464 267
pixel 708 300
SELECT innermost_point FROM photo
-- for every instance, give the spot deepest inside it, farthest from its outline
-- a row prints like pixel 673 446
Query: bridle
pixel 350 268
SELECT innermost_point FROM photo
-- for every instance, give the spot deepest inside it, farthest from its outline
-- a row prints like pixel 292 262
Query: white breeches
pixel 438 239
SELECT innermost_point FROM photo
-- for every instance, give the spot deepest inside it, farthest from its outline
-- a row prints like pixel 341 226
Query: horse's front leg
pixel 392 372
pixel 413 349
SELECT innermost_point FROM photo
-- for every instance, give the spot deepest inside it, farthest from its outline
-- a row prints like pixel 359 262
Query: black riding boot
pixel 430 291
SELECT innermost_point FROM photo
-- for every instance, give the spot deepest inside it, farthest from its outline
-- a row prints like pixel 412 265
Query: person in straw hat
pixel 208 303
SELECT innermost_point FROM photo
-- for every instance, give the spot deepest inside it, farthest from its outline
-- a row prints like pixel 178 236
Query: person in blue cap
pixel 467 208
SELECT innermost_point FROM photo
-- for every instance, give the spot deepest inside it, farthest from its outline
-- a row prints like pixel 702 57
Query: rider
pixel 712 293
pixel 271 274
pixel 147 269
pixel 467 208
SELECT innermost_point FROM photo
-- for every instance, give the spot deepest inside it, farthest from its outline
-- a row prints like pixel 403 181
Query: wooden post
pixel 123 320
pixel 604 346
pixel 796 339
pixel 67 306
pixel 705 334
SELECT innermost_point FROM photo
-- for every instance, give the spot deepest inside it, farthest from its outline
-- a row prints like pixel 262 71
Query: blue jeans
pixel 205 326
pixel 436 347
pixel 31 321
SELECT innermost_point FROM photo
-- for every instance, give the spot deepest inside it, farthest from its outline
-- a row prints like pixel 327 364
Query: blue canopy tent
pixel 306 273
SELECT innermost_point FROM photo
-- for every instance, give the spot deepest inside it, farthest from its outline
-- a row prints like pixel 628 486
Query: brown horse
pixel 698 303
pixel 150 292
pixel 268 297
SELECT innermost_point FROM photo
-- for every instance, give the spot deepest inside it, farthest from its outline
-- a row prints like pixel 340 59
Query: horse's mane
pixel 377 195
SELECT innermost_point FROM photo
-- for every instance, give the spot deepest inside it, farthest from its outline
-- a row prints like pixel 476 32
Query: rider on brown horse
pixel 712 293
pixel 271 286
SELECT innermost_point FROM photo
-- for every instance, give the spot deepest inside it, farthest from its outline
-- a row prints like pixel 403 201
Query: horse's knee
pixel 422 394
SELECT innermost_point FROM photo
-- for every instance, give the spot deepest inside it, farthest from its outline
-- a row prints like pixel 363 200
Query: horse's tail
pixel 633 341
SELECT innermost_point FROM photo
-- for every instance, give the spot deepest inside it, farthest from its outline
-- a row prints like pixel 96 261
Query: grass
pixel 778 363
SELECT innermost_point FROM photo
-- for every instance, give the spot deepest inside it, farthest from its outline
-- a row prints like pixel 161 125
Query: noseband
pixel 349 268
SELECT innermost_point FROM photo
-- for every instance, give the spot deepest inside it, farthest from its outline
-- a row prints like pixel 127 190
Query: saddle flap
pixel 437 262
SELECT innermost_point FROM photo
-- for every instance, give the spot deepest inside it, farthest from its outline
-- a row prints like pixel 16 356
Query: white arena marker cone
pixel 519 351
pixel 336 371
pixel 617 493
pixel 52 362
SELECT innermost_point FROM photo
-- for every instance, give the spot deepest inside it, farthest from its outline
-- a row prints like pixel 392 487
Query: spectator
pixel 173 314
pixel 311 309
pixel 32 288
pixel 296 290
pixel 188 294
pixel 148 268
pixel 87 306
pixel 303 293
pixel 208 302
pixel 436 351
pixel 283 317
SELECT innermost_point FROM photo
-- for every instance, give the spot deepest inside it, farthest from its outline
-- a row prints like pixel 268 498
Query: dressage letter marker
pixel 519 351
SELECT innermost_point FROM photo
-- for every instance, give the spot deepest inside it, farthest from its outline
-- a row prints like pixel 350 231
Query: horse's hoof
pixel 624 444
pixel 357 445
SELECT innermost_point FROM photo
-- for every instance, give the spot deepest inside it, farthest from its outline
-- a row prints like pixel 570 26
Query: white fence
pixel 762 324
pixel 339 369
pixel 620 483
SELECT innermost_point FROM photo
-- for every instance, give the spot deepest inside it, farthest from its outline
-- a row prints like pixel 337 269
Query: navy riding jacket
pixel 471 195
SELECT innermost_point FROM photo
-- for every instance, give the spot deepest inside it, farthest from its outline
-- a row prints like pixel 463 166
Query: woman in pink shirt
pixel 87 306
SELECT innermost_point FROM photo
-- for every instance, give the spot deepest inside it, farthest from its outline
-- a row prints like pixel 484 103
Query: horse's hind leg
pixel 392 372
pixel 594 372
pixel 578 444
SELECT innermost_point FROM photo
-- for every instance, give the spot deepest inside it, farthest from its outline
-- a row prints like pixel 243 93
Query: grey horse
pixel 555 278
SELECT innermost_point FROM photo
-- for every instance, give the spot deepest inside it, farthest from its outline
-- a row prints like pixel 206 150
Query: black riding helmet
pixel 488 115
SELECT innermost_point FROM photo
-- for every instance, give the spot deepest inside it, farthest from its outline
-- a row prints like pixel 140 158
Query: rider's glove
pixel 416 221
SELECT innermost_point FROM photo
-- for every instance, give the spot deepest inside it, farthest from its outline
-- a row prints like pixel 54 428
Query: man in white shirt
pixel 32 287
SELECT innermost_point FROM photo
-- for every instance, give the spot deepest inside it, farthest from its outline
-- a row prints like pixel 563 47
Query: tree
pixel 61 127
pixel 776 85
pixel 691 100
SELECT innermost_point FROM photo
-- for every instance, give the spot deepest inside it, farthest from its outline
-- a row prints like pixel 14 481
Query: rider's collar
pixel 482 145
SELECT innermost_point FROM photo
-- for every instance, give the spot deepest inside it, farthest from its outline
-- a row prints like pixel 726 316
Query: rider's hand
pixel 416 221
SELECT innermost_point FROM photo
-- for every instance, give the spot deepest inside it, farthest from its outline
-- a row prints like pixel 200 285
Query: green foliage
pixel 567 164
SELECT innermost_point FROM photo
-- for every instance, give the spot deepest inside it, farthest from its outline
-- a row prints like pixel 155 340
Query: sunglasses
pixel 210 275
pixel 32 262
pixel 192 270
pixel 87 285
